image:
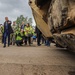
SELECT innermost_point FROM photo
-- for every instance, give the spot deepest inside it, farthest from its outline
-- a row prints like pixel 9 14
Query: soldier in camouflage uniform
pixel 2 32
pixel 14 27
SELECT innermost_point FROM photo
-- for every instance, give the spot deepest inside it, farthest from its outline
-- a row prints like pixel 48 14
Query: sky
pixel 13 9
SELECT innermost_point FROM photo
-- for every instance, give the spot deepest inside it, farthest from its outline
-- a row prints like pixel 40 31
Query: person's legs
pixel 23 37
pixel 20 42
pixel 13 39
pixel 33 39
pixel 17 42
pixel 8 39
pixel 38 40
pixel 25 40
pixel 43 40
pixel 2 38
pixel 47 42
pixel 5 36
pixel 29 40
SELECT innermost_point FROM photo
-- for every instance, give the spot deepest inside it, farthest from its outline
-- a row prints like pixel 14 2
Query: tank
pixel 56 18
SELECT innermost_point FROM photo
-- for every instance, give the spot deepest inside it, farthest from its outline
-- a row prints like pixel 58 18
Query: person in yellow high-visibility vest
pixel 19 39
pixel 28 30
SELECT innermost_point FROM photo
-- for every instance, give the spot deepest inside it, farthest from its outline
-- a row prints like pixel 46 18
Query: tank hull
pixel 59 17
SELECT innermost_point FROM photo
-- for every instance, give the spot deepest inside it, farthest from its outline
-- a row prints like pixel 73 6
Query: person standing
pixel 23 26
pixel 14 27
pixel 22 30
pixel 39 34
pixel 2 31
pixel 7 31
pixel 47 42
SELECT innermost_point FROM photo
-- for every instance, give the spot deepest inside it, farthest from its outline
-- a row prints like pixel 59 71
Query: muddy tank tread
pixel 66 41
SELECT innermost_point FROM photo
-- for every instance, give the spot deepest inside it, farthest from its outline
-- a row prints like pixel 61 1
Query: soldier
pixel 14 27
pixel 2 31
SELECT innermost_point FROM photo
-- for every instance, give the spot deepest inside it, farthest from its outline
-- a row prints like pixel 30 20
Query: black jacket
pixel 37 31
pixel 22 27
pixel 10 30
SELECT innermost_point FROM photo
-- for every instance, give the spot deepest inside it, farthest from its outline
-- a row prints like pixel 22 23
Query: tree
pixel 30 21
pixel 24 19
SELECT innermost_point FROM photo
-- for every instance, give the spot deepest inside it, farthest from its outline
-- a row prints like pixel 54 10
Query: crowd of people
pixel 21 35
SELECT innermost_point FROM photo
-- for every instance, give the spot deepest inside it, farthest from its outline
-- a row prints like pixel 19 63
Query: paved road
pixel 36 61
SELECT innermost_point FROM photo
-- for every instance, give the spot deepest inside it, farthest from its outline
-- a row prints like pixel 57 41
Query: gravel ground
pixel 36 60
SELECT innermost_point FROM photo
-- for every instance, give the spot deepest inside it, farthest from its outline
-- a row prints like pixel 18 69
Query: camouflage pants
pixel 12 39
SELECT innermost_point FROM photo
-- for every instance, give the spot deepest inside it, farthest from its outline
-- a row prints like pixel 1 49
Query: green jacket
pixel 14 28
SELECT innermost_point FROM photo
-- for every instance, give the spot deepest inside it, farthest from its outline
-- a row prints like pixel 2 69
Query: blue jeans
pixel 47 43
pixel 6 34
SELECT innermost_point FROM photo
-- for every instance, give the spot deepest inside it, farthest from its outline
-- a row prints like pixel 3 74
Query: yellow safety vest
pixel 18 37
pixel 28 30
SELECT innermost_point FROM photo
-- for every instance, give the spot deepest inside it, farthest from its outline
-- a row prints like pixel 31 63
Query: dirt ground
pixel 36 60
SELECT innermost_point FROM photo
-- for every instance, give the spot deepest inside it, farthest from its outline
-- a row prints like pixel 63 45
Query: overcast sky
pixel 13 9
